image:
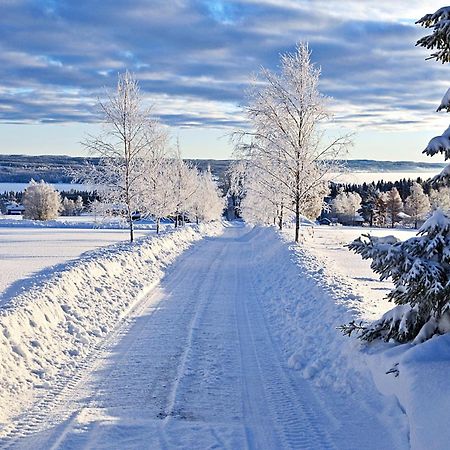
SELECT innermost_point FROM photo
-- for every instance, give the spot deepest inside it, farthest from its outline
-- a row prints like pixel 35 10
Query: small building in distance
pixel 14 209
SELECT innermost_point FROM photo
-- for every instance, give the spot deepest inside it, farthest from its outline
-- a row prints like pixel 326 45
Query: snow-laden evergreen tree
pixel 368 205
pixel 417 204
pixel 419 266
pixel 286 142
pixel 380 214
pixel 439 41
pixel 420 270
pixel 394 206
pixel 41 201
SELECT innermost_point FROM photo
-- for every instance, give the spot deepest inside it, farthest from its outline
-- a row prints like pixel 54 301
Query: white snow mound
pixel 51 328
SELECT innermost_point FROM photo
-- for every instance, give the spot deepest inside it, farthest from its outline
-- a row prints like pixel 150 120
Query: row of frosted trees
pixel 285 160
pixel 384 208
pixel 140 170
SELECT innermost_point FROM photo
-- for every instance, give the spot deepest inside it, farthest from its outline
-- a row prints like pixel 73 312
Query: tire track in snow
pixel 194 325
pixel 293 424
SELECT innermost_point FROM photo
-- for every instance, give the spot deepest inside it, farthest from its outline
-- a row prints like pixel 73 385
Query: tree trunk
pixel 176 220
pixel 158 221
pixel 280 218
pixel 131 229
pixel 297 219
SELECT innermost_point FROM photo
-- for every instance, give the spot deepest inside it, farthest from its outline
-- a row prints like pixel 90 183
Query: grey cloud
pixel 51 47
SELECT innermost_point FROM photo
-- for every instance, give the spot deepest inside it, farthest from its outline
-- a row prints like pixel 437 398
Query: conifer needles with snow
pixel 419 266
pixel 420 270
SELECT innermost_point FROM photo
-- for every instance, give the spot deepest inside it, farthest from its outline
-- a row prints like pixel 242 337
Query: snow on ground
pixel 328 244
pixel 31 250
pixel 26 252
pixel 218 355
pixel 236 347
pixel 419 374
pixel 48 330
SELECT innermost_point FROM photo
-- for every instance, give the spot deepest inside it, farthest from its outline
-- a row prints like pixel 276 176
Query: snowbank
pixel 314 301
pixel 51 328
pixel 81 222
pixel 416 375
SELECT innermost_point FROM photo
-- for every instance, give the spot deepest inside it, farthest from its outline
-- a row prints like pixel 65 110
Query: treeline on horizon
pixel 403 186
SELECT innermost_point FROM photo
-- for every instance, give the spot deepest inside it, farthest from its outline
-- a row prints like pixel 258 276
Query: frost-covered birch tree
pixel 235 179
pixel 159 192
pixel 285 111
pixel 184 182
pixel 130 141
pixel 265 200
pixel 346 205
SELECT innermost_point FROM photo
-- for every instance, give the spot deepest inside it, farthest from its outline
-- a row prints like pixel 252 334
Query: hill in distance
pixel 54 169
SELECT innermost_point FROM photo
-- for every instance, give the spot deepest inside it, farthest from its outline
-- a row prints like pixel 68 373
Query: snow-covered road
pixel 199 365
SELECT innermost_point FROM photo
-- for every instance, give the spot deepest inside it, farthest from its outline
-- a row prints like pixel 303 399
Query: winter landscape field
pixel 219 225
pixel 94 381
pixel 26 253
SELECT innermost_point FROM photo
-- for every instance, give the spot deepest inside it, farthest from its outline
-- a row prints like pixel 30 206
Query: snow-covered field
pixel 27 252
pixel 228 343
pixel 328 244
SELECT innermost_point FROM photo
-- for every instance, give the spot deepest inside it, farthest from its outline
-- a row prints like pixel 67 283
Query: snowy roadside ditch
pixel 51 328
pixel 415 375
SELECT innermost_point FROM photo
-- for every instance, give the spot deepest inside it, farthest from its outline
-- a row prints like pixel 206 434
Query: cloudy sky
pixel 194 59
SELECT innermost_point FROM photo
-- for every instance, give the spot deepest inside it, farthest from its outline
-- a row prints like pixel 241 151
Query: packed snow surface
pixel 235 347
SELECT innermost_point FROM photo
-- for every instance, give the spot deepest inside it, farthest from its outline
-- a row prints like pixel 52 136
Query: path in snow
pixel 197 367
